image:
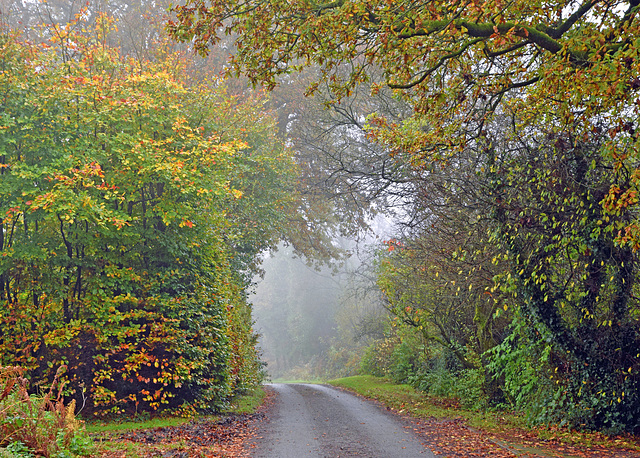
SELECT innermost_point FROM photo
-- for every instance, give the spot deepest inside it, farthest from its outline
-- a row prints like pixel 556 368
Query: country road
pixel 318 421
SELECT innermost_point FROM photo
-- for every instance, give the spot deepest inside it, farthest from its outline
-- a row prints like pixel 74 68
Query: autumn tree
pixel 122 224
pixel 457 63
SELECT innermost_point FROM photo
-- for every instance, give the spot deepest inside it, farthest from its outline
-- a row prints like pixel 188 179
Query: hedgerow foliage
pixel 122 206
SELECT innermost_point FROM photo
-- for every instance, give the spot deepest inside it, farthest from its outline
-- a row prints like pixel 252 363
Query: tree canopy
pixel 531 110
pixel 571 65
pixel 444 51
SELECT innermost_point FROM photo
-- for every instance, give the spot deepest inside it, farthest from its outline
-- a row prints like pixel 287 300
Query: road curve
pixel 311 421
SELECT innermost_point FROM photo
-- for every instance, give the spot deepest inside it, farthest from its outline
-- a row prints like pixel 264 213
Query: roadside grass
pixel 129 424
pixel 405 399
pixel 105 433
pixel 402 398
pixel 249 402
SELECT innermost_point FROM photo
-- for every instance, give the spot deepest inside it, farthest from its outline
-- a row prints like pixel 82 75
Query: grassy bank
pixel 405 399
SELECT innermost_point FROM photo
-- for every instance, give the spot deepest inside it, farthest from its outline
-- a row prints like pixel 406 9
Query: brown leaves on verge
pixel 229 436
pixel 199 438
pixel 453 438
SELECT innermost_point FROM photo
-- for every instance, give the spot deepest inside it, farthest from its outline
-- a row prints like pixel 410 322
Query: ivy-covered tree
pixel 574 282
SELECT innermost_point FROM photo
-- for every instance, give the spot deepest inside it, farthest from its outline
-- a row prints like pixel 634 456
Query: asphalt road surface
pixel 320 421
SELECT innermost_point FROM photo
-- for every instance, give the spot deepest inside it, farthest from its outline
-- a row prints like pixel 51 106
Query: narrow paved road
pixel 312 421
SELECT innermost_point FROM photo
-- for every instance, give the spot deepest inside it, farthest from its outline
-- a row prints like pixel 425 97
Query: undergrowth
pixel 38 424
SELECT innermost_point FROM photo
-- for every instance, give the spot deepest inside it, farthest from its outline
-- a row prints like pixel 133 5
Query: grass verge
pixel 130 424
pixel 405 399
pixel 248 403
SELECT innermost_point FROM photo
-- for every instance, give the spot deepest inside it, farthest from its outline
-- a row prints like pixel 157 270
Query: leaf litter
pixel 222 437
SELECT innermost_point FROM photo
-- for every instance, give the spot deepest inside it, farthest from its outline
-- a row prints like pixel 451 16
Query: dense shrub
pixel 405 362
pixel 378 357
pixel 435 371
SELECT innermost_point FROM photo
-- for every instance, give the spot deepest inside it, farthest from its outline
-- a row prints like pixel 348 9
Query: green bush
pixel 405 362
pixel 377 357
pixel 469 388
pixel 437 380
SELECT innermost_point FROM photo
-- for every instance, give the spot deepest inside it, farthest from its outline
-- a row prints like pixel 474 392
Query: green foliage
pixel 536 386
pixel 435 371
pixel 405 362
pixel 126 202
pixel 16 449
pixel 370 363
pixel 342 361
pixel 471 390
pixel 442 309
pixel 377 359
pixel 516 360
pixel 438 378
